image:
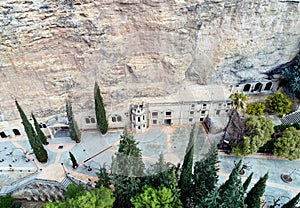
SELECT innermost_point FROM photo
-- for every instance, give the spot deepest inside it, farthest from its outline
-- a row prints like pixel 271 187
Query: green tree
pixel 258 131
pixel 255 109
pixel 155 198
pixel 205 176
pixel 127 170
pixel 102 123
pixel 34 141
pixel 6 201
pixel 96 198
pixel 292 78
pixel 232 192
pixel 239 100
pixel 74 191
pixel 253 197
pixel 292 203
pixel 288 145
pixel 278 103
pixel 73 128
pixel 74 162
pixel 103 177
pixel 163 174
pixel 247 182
pixel 39 132
pixel 185 180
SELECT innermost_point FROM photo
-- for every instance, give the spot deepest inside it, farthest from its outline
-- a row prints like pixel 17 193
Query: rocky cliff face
pixel 53 49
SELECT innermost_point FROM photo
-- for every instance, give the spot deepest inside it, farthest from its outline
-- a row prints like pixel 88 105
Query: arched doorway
pixel 268 86
pixel 247 87
pixel 16 132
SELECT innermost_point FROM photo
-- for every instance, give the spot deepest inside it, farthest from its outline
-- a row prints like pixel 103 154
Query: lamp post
pixel 62 164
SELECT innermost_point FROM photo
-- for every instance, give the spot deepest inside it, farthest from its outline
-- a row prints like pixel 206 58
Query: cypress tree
pixel 185 180
pixel 205 177
pixel 127 170
pixel 35 142
pixel 74 162
pixel 232 192
pixel 247 182
pixel 102 123
pixel 39 132
pixel 73 128
pixel 292 203
pixel 253 197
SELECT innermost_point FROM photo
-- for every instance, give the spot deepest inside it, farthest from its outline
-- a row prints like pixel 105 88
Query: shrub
pixel 278 103
pixel 255 109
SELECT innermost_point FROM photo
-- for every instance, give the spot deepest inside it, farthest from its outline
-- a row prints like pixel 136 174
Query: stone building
pixel 192 103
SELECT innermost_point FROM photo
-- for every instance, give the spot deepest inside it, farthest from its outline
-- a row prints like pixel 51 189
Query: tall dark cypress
pixel 253 197
pixel 38 130
pixel 74 161
pixel 292 203
pixel 247 182
pixel 35 142
pixel 185 180
pixel 102 123
pixel 73 128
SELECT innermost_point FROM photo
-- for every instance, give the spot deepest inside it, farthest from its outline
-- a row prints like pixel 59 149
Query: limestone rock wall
pixel 54 49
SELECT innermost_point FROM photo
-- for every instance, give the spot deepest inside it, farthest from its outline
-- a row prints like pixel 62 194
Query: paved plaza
pixel 96 150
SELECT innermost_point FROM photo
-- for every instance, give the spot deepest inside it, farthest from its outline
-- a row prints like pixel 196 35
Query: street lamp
pixel 62 164
pixel 288 177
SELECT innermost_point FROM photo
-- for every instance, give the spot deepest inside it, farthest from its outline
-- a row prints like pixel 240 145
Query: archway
pixel 268 86
pixel 247 87
pixel 257 87
pixel 16 132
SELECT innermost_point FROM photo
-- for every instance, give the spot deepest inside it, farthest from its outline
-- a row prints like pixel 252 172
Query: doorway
pixel 168 122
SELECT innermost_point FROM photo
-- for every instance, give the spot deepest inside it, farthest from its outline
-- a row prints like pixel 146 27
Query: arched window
pixel 3 135
pixel 268 86
pixel 16 132
pixel 90 120
pixel 117 118
pixel 247 87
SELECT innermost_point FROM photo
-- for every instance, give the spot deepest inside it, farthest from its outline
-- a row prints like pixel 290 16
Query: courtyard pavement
pixel 171 141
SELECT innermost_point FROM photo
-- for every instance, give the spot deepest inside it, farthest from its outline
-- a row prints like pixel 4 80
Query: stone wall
pixel 54 49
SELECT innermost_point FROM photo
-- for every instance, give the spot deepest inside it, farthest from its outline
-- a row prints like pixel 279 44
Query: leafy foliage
pixel 156 198
pixel 35 142
pixel 6 201
pixel 292 202
pixel 292 77
pixel 232 192
pixel 185 180
pixel 73 128
pixel 102 123
pixel 127 170
pixel 205 176
pixel 163 174
pixel 258 131
pixel 288 146
pixel 74 191
pixel 97 198
pixel 239 100
pixel 253 197
pixel 38 130
pixel 103 178
pixel 247 182
pixel 278 103
pixel 255 109
pixel 282 127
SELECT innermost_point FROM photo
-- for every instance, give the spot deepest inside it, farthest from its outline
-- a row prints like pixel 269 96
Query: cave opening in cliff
pixel 3 135
pixel 247 88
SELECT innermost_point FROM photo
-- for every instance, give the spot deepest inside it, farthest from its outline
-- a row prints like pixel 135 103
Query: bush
pixel 255 109
pixel 278 103
pixel 292 78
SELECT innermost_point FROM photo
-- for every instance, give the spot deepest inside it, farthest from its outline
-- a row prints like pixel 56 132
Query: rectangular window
pixel 154 122
pixel 218 112
pixel 93 120
pixel 190 119
pixel 201 119
pixel 113 119
pixel 191 112
pixel 204 106
pixel 168 113
pixel 203 112
pixel 154 114
pixel 139 119
pixel 87 120
pixel 192 106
